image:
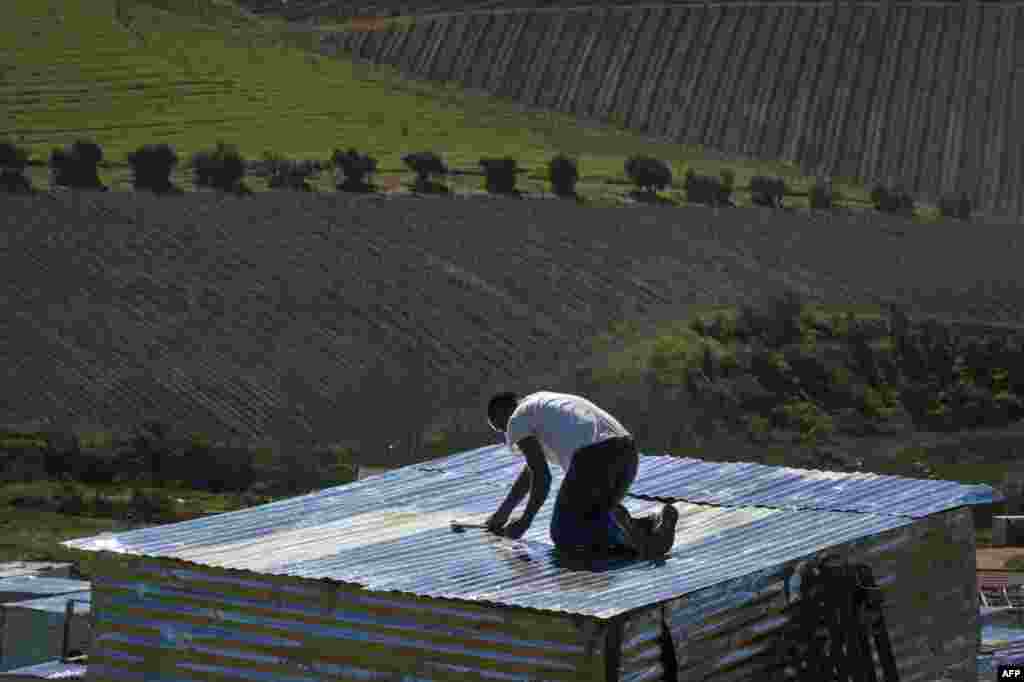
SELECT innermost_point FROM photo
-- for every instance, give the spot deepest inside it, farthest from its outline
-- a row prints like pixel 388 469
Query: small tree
pixel 151 167
pixel 821 195
pixel 895 201
pixel 75 166
pixel 564 174
pixel 288 174
pixel 648 174
pixel 221 168
pixel 499 175
pixel 13 162
pixel 767 191
pixel 953 206
pixel 426 164
pixel 709 190
pixel 355 168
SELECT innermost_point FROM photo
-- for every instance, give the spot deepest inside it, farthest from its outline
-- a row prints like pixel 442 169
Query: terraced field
pixel 289 314
pixel 921 94
pixel 129 73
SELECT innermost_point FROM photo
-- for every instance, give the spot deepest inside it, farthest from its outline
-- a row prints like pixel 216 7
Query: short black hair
pixel 496 404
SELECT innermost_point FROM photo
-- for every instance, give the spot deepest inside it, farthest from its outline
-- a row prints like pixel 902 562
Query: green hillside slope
pixel 127 73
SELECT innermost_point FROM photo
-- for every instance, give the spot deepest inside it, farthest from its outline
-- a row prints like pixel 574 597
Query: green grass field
pixel 130 72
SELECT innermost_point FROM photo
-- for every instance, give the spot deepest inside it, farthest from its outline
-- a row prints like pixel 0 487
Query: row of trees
pixel 224 169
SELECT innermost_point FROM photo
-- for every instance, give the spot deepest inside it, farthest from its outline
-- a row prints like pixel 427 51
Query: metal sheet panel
pixel 51 670
pixel 32 631
pixel 47 569
pixel 165 620
pixel 728 631
pixel 392 533
pixel 20 588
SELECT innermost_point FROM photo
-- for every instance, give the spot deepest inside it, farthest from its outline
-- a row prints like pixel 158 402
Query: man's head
pixel 500 408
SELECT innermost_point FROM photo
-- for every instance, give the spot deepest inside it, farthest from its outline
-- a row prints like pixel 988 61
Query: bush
pixel 648 174
pixel 72 501
pixel 499 175
pixel 151 167
pixel 821 195
pixel 959 207
pixel 13 157
pixel 76 166
pixel 564 175
pixel 288 174
pixel 424 164
pixel 894 201
pixel 14 182
pixel 151 506
pixel 222 168
pixel 355 168
pixel 709 190
pixel 766 191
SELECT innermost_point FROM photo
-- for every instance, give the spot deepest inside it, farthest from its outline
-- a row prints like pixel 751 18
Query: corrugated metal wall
pixel 159 619
pixel 926 570
pixel 925 94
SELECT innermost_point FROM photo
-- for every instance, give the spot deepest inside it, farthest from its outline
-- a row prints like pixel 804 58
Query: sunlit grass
pixel 129 72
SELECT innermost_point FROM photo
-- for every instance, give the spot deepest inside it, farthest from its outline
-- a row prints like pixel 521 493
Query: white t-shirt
pixel 563 424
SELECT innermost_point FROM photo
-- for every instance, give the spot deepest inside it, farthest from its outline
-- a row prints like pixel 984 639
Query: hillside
pixel 130 73
pixel 877 92
pixel 286 314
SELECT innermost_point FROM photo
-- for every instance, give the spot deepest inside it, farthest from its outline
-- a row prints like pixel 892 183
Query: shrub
pixel 959 207
pixel 288 174
pixel 709 190
pixel 821 195
pixel 13 161
pixel 894 201
pixel 151 167
pixel 72 500
pixel 647 173
pixel 221 168
pixel 13 157
pixel 426 164
pixel 151 506
pixel 766 191
pixel 355 168
pixel 76 166
pixel 499 175
pixel 564 174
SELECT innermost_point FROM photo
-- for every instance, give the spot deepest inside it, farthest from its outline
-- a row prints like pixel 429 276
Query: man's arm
pixel 540 474
pixel 515 496
pixel 535 478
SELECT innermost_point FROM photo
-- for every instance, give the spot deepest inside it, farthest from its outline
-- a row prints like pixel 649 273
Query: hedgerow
pixel 76 166
pixel 499 175
pixel 647 173
pixel 355 168
pixel 222 168
pixel 152 166
pixel 564 174
pixel 13 162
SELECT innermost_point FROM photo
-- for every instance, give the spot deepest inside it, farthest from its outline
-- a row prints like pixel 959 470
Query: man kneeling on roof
pixel 600 461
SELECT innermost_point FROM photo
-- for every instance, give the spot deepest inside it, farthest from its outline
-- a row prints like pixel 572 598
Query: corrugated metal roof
pixel 745 484
pixel 57 603
pixel 49 569
pixel 391 533
pixel 51 670
pixel 20 588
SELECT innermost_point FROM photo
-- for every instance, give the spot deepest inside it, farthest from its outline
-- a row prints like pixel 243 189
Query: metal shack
pixel 367 581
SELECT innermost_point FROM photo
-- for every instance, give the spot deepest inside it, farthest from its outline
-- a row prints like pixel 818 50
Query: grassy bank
pixel 132 72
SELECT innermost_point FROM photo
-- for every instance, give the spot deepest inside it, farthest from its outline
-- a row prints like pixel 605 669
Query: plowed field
pixel 283 313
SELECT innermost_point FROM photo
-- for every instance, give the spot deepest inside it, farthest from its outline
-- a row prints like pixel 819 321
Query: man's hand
pixel 496 522
pixel 516 529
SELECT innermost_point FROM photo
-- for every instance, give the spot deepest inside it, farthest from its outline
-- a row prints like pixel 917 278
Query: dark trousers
pixel 597 481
